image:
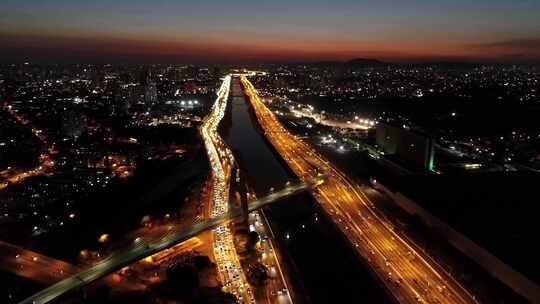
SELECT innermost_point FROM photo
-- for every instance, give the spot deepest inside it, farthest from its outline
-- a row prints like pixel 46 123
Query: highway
pixel 221 161
pixel 409 274
pixel 32 265
pixel 141 248
pixel 46 270
pixel 276 286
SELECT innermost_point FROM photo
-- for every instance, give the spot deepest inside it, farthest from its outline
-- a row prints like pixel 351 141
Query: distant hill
pixel 449 64
pixel 358 63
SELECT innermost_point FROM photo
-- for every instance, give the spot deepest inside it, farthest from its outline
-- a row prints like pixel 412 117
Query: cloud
pixel 531 44
pixel 511 50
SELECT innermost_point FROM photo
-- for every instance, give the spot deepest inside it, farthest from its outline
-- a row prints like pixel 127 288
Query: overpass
pixel 32 265
pixel 44 269
pixel 142 248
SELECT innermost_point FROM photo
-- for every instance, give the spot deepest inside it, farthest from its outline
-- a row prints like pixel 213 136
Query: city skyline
pixel 236 152
pixel 138 179
pixel 244 32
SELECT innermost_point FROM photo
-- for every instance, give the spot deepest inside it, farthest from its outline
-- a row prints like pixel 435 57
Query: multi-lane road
pixel 409 274
pixel 32 265
pixel 222 163
pixel 221 160
pixel 141 248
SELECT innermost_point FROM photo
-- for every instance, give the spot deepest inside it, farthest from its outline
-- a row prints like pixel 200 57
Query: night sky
pixel 238 31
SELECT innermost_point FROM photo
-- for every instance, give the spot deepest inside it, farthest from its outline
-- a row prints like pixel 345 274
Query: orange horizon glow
pixel 240 47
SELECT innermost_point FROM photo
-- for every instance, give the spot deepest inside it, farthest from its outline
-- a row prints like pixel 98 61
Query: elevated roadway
pixel 141 248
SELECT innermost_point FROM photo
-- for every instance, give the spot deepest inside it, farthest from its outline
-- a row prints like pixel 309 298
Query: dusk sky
pixel 279 30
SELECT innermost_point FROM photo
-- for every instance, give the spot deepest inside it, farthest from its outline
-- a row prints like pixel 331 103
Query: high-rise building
pixel 409 146
pixel 150 92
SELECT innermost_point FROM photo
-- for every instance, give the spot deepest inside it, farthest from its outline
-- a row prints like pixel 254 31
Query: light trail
pixel 142 248
pixel 409 274
pixel 221 159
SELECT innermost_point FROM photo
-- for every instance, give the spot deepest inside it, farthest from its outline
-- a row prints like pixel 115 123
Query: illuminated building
pixel 408 146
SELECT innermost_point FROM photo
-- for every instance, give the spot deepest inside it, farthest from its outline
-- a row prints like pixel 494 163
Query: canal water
pixel 323 266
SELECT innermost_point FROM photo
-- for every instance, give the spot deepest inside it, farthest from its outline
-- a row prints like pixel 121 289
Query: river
pixel 324 268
